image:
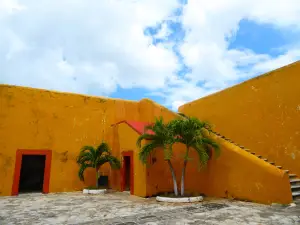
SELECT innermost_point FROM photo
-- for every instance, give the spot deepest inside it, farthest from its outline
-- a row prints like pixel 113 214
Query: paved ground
pixel 119 208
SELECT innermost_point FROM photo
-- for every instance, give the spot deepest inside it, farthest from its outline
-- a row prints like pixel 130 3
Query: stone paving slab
pixel 119 208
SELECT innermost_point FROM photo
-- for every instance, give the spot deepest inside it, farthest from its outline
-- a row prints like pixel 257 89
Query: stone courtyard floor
pixel 120 208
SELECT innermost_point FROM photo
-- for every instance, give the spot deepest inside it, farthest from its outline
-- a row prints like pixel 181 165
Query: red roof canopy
pixel 138 126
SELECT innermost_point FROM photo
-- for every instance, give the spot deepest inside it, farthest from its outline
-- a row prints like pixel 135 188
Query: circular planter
pixel 94 191
pixel 179 200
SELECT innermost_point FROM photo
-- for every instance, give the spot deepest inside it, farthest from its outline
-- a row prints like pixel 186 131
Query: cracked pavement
pixel 120 208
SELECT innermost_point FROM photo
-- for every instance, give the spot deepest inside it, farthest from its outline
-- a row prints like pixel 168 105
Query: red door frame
pixel 18 165
pixel 130 154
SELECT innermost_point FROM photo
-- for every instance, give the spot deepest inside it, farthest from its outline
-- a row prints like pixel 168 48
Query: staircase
pixel 294 180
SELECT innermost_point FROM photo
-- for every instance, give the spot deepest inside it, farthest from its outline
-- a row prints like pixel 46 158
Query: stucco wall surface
pixel 262 114
pixel 63 122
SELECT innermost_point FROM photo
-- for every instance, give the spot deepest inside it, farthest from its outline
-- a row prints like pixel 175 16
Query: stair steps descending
pixel 295 187
pixel 294 180
pixel 296 194
pixel 292 175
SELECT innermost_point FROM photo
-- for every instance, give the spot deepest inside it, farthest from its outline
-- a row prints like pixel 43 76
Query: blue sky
pixel 262 38
pixel 171 51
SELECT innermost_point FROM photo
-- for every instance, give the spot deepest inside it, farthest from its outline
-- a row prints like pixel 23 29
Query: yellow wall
pixel 235 174
pixel 128 137
pixel 239 174
pixel 63 122
pixel 262 114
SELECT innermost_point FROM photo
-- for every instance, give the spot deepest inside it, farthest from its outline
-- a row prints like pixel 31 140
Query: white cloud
pixel 208 25
pixel 94 46
pixel 84 46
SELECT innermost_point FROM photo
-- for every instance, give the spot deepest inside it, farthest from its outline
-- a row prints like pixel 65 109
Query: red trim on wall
pixel 18 165
pixel 130 154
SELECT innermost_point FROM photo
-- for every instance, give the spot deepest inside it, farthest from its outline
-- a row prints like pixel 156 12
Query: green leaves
pixel 189 131
pixel 90 157
pixel 103 148
pixel 82 168
pixel 157 135
pixel 192 132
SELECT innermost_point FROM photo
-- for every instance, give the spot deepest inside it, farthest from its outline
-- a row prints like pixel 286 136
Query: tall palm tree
pixel 90 157
pixel 193 134
pixel 158 135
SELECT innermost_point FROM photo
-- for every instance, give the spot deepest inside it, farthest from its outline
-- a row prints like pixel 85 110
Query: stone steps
pixel 296 194
pixel 294 181
pixel 295 187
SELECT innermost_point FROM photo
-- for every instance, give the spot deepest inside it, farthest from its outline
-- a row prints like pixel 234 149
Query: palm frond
pixel 213 144
pixel 162 136
pixel 103 148
pixel 90 149
pixel 192 132
pixel 144 137
pixel 182 115
pixel 203 156
pixel 146 150
pixel 87 148
pixel 113 161
pixel 82 168
pixel 207 125
pixel 87 157
pixel 91 157
pixel 86 154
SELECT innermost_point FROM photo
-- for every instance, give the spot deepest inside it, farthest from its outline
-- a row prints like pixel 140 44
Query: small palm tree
pixel 193 134
pixel 90 157
pixel 159 136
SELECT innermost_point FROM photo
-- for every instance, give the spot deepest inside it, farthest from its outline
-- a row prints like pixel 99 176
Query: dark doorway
pixel 103 181
pixel 32 173
pixel 127 172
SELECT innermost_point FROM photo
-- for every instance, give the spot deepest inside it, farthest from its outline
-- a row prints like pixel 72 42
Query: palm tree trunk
pixel 174 178
pixel 183 171
pixel 183 177
pixel 97 179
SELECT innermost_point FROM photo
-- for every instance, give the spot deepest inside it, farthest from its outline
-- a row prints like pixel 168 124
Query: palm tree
pixel 90 157
pixel 158 135
pixel 193 134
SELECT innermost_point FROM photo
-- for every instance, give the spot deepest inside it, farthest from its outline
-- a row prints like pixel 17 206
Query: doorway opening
pixel 32 173
pixel 127 174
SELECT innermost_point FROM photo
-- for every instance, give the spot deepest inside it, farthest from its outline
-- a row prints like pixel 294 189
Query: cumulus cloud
pixel 84 46
pixel 209 25
pixel 96 46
